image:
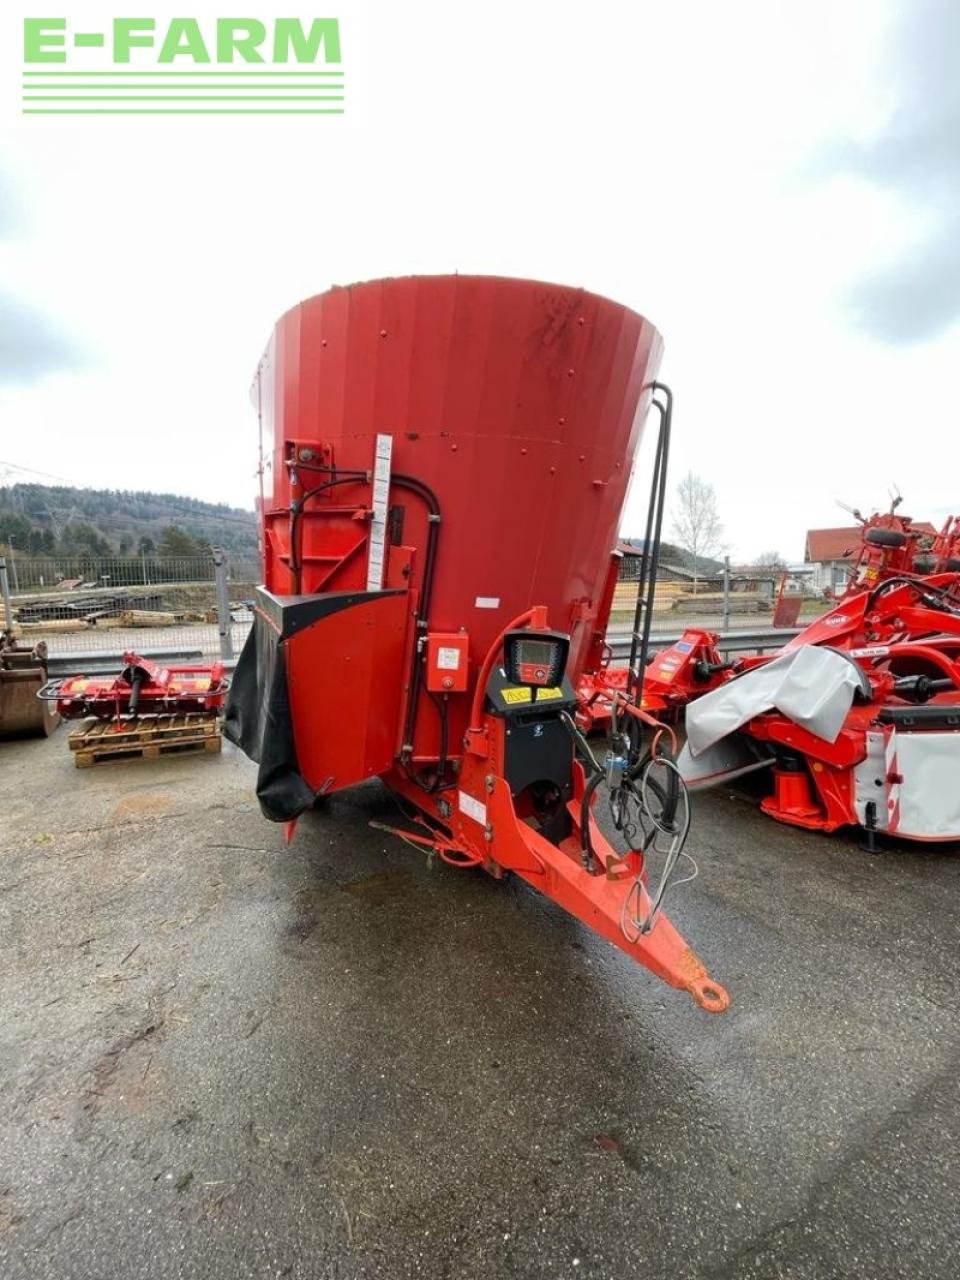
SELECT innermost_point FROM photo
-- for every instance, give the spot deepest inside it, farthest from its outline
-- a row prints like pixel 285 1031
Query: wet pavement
pixel 221 1057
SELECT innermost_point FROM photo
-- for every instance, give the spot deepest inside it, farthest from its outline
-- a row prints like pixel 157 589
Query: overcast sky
pixel 776 186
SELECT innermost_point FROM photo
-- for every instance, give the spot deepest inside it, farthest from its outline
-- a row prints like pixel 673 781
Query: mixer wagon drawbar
pixel 443 464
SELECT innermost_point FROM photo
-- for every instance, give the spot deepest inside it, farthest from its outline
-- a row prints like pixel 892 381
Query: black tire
pixel 924 564
pixel 885 537
pixel 952 565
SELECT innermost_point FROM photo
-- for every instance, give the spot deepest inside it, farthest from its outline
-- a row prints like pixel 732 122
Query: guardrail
pixel 737 640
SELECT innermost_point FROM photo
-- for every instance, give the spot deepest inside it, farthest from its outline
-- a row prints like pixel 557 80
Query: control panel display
pixel 535 658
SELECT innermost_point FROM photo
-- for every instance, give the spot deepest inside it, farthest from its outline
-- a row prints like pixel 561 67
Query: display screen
pixel 541 652
pixel 535 658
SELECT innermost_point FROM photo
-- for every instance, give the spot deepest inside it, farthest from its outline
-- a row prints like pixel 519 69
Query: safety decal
pixel 474 809
pixel 516 695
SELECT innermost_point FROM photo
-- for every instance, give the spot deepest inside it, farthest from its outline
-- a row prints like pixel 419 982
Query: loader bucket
pixel 23 673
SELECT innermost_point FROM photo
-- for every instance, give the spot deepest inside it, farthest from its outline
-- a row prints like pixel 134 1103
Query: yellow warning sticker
pixel 516 695
pixel 544 695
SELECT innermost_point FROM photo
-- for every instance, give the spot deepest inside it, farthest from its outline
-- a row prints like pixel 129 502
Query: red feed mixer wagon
pixel 444 461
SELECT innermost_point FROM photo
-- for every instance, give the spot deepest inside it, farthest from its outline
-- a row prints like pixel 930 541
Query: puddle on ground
pixel 381 886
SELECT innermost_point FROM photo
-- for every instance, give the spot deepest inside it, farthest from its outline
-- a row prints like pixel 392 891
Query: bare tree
pixel 696 522
pixel 770 560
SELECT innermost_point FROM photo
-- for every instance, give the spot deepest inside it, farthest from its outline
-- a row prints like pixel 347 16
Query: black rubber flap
pixel 258 721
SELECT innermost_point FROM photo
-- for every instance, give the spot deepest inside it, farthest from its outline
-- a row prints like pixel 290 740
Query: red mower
pixel 857 718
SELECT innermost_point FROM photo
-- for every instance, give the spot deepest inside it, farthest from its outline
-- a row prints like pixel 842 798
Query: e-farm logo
pixel 184 66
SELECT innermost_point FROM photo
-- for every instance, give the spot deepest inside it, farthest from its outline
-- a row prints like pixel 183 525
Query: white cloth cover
pixel 811 686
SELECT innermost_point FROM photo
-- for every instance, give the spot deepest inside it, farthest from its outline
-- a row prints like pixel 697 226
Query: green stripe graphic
pixel 182 111
pixel 188 97
pixel 263 85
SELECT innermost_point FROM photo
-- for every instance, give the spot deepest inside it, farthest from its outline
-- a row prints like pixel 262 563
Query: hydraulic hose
pixel 922 588
pixel 589 856
pixel 443 712
pixel 476 708
pixel 640 643
pixel 296 512
pixel 669 796
pixel 434 518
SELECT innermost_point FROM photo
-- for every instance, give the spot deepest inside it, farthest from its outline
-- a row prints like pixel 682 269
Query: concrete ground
pixel 220 1057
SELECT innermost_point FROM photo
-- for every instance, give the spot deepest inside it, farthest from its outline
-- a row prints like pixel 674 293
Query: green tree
pixel 85 539
pixel 175 541
pixel 15 527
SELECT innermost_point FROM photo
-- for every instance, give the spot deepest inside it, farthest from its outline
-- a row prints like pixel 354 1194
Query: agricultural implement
pixel 443 464
pixel 142 687
pixel 857 719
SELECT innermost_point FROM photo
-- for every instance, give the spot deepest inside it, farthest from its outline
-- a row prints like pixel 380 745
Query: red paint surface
pixel 345 675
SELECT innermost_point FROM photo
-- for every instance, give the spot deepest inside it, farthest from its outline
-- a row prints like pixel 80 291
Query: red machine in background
pixel 143 687
pixel 443 465
pixel 857 718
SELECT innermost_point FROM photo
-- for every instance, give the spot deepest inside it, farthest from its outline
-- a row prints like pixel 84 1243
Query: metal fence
pixel 709 609
pixel 87 604
pixel 54 574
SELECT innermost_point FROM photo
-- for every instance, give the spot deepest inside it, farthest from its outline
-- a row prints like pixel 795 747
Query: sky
pixel 775 185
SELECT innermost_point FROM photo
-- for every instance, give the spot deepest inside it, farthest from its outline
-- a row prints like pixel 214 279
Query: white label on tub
pixel 487 602
pixel 474 809
pixel 378 525
pixel 448 659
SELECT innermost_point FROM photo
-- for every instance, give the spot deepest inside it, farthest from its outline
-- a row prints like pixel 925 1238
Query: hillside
pixel 51 520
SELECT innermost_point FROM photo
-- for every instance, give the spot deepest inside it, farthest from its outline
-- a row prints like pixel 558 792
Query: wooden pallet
pixel 146 738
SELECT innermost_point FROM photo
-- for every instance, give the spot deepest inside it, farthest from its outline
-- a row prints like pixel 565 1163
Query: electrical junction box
pixel 447 662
